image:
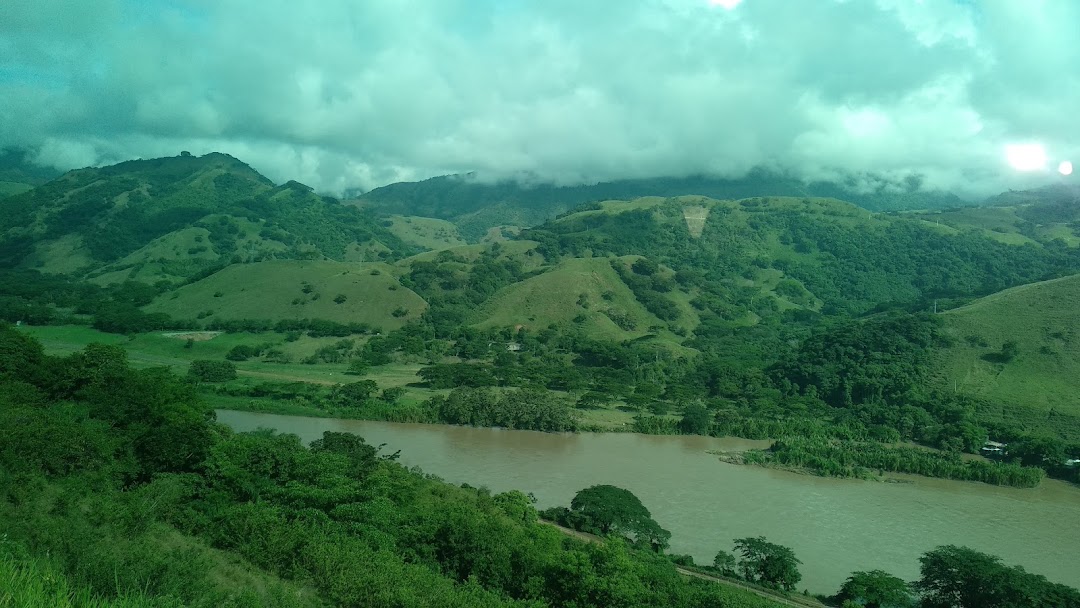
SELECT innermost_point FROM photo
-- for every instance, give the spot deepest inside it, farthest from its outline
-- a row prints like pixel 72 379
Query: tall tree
pixel 613 510
pixel 768 563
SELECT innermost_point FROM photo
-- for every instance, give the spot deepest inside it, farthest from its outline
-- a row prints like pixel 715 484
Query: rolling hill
pixel 1043 320
pixel 174 218
pixel 475 205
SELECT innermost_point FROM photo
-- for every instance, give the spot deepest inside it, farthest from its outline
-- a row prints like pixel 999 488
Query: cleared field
pixel 429 233
pixel 295 289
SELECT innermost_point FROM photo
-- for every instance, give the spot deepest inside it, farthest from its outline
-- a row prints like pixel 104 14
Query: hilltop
pixel 475 205
pixel 172 218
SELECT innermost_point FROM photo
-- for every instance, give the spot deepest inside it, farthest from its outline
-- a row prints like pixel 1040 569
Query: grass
pixel 63 255
pixel 556 297
pixel 30 583
pixel 12 188
pixel 276 290
pixel 429 233
pixel 1044 319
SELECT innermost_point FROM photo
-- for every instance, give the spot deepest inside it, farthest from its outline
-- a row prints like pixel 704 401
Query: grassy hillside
pixel 588 288
pixel 1034 216
pixel 294 289
pixel 428 233
pixel 1043 319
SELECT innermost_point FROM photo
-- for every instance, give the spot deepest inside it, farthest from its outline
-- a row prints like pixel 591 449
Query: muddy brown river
pixel 835 526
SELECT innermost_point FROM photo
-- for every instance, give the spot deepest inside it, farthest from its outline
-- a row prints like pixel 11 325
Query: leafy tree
pixel 354 394
pixel 613 510
pixel 876 589
pixel 696 420
pixel 724 561
pixel 959 577
pixel 768 563
pixel 205 370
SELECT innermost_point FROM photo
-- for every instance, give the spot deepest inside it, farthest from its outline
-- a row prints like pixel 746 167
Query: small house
pixel 992 449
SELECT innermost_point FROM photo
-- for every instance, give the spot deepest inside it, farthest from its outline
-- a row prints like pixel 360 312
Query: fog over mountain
pixel 361 94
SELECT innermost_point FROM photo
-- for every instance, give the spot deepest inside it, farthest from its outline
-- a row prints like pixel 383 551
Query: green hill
pixel 476 205
pixel 148 216
pixel 1043 320
pixel 586 292
pixel 296 289
pixel 1015 218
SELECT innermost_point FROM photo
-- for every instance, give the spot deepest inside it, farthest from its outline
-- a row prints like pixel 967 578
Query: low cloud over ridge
pixel 358 94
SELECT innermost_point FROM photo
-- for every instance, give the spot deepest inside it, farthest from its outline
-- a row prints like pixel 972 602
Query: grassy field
pixel 294 289
pixel 429 233
pixel 1044 320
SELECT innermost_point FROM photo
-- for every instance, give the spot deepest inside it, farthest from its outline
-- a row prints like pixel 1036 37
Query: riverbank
pixel 835 526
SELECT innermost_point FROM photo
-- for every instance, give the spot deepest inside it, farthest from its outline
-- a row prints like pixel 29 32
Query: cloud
pixel 358 94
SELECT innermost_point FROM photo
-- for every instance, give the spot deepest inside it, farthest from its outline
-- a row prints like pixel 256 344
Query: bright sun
pixel 1065 168
pixel 728 4
pixel 1026 157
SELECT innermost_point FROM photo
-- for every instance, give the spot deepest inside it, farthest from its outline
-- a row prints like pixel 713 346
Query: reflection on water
pixel 835 526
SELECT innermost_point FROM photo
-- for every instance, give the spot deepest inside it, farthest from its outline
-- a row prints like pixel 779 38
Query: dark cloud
pixel 346 93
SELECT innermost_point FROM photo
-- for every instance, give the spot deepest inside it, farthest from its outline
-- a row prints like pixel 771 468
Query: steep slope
pixel 295 289
pixel 1042 370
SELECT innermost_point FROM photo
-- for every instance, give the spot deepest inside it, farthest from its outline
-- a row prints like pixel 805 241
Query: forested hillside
pixel 172 218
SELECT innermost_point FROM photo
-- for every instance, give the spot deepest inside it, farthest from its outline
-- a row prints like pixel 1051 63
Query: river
pixel 835 526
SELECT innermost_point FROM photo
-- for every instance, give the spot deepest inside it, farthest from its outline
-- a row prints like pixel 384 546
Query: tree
pixel 696 420
pixel 613 510
pixel 355 394
pixel 768 563
pixel 876 589
pixel 340 298
pixel 724 561
pixel 205 370
pixel 959 577
pixel 1009 350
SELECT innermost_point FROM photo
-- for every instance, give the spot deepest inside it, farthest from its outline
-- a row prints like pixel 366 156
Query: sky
pixel 359 93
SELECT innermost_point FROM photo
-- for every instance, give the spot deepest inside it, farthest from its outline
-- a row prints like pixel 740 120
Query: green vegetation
pixel 875 589
pixel 800 319
pixel 769 563
pixel 292 289
pixel 119 482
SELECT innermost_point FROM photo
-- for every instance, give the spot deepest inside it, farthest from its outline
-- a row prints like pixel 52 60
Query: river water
pixel 835 526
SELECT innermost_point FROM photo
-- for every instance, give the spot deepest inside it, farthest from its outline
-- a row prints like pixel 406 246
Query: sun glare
pixel 1026 157
pixel 1065 168
pixel 728 4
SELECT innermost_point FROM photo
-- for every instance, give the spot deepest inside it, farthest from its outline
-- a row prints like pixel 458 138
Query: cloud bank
pixel 347 93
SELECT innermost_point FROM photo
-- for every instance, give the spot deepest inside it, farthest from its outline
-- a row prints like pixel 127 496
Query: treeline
pixel 523 409
pixel 861 459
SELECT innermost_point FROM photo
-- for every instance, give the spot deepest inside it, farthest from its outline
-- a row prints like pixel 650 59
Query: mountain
pixel 173 218
pixel 477 206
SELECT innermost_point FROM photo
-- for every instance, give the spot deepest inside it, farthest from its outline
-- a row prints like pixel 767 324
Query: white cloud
pixel 346 93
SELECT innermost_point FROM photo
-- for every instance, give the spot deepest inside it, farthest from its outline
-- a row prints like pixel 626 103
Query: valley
pixel 839 341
